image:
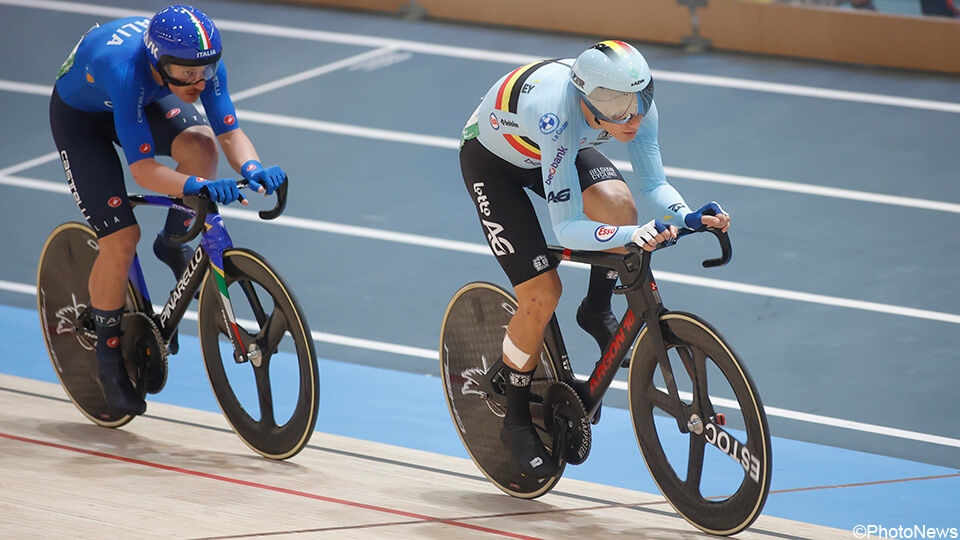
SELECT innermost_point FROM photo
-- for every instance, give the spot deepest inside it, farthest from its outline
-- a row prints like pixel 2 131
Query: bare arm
pixel 238 148
pixel 150 174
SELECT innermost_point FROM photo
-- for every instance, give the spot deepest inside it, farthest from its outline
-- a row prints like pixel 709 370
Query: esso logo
pixel 113 342
pixel 229 120
pixel 114 202
pixel 605 233
pixel 172 112
pixel 494 123
pixel 145 148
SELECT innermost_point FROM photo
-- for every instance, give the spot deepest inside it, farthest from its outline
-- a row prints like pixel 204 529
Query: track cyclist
pixel 538 128
pixel 133 81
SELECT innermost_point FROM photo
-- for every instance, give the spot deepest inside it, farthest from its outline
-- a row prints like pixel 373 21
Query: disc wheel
pixel 63 302
pixel 471 341
pixel 272 400
pixel 708 448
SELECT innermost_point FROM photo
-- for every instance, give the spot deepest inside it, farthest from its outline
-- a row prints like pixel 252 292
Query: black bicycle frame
pixel 644 308
pixel 208 255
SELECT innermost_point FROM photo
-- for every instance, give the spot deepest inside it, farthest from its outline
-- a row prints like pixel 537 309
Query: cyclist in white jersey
pixel 538 128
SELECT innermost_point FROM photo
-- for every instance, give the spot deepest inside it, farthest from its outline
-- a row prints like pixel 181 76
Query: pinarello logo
pixel 229 120
pixel 113 202
pixel 605 233
pixel 172 112
pixel 145 148
pixel 113 342
pixel 251 167
pixel 494 123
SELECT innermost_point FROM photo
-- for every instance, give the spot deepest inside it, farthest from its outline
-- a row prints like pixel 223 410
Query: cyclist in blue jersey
pixel 133 82
pixel 538 128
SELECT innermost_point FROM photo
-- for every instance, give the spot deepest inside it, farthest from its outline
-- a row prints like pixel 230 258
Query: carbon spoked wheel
pixel 471 341
pixel 271 401
pixel 63 301
pixel 708 448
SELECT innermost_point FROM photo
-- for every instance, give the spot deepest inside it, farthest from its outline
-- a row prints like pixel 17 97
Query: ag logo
pixel 562 196
pixel 605 233
pixel 548 123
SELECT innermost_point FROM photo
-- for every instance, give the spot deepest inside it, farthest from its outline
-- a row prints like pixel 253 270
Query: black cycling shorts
pixel 85 142
pixel 505 211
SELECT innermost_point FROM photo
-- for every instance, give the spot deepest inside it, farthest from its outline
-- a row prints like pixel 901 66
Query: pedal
pixel 568 421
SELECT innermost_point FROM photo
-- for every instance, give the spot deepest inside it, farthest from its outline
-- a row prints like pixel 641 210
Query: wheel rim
pixel 698 473
pixel 271 418
pixel 62 296
pixel 471 340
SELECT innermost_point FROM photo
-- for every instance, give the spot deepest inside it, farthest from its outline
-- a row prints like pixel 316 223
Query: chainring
pixel 144 352
pixel 565 415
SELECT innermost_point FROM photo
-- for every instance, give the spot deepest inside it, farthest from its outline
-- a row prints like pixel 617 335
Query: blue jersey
pixel 108 71
pixel 532 118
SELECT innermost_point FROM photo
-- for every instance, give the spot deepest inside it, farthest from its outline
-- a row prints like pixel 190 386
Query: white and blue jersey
pixel 109 71
pixel 531 118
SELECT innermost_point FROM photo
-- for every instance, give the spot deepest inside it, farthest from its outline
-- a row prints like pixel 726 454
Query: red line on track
pixel 266 487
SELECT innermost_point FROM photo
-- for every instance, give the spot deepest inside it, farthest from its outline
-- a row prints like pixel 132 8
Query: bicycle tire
pixel 471 341
pixel 263 434
pixel 62 296
pixel 693 342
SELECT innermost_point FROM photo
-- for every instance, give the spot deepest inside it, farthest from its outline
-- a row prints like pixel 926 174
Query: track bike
pixel 696 412
pixel 270 400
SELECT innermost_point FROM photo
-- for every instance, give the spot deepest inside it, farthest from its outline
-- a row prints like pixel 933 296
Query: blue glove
pixel 220 191
pixel 693 221
pixel 270 178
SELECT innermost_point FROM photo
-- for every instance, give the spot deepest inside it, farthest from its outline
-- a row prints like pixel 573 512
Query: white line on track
pixel 498 56
pixel 432 354
pixel 482 249
pixel 452 143
pixel 309 74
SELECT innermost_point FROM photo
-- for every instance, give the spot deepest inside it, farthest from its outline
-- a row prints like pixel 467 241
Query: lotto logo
pixel 145 148
pixel 114 202
pixel 172 112
pixel 113 342
pixel 229 120
pixel 605 233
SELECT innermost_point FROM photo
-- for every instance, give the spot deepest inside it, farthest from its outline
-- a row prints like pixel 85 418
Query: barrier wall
pixel 839 35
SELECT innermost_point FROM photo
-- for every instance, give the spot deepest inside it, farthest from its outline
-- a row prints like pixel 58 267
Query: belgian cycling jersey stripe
pixel 613 48
pixel 509 94
pixel 524 145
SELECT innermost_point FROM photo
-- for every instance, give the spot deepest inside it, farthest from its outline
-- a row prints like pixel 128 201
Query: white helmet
pixel 615 81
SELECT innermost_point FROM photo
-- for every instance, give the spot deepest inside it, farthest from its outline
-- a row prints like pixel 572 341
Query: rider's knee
pixel 121 244
pixel 541 298
pixel 196 145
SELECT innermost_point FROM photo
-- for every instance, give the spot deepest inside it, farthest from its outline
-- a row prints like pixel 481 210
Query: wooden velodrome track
pixel 181 473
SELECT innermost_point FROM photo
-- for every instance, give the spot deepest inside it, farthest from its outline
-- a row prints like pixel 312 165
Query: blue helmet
pixel 182 35
pixel 615 81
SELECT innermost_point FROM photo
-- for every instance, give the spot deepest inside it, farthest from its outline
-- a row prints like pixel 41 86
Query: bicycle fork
pixel 215 241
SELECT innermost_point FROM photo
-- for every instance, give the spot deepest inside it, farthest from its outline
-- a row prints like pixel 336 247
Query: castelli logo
pixel 251 167
pixel 145 148
pixel 113 202
pixel 113 342
pixel 229 120
pixel 172 112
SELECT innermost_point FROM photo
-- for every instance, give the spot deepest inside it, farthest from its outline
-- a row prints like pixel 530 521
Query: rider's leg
pixel 196 153
pixel 607 202
pixel 108 290
pixel 537 299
